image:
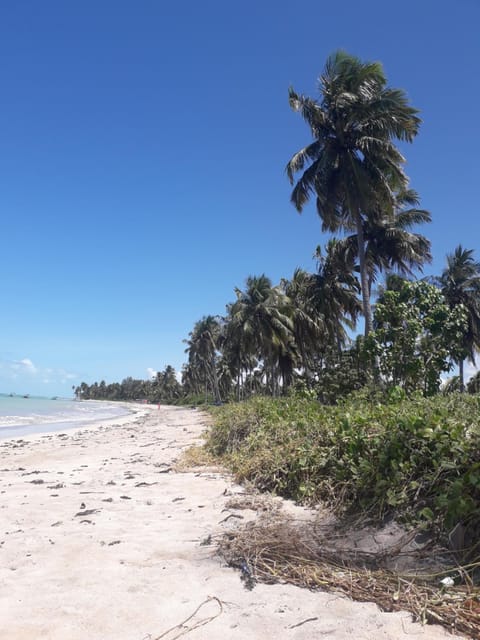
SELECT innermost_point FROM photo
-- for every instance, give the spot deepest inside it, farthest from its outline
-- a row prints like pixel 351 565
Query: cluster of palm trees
pixel 355 173
pixel 269 332
pixel 163 387
pixel 272 335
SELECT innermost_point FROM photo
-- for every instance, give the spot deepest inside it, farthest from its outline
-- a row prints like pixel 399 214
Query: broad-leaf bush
pixel 416 337
pixel 416 459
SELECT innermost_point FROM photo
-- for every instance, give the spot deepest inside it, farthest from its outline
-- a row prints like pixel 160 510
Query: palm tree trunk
pixel 216 389
pixel 461 375
pixel 274 380
pixel 367 309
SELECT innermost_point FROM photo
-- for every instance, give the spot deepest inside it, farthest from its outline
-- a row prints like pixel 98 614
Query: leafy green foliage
pixel 343 372
pixel 417 459
pixel 416 336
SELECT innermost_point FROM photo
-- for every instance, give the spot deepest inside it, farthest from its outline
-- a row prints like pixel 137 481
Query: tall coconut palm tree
pixel 460 284
pixel 352 166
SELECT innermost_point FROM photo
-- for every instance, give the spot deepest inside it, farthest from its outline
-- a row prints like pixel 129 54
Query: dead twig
pixel 299 624
pixel 290 552
pixel 182 628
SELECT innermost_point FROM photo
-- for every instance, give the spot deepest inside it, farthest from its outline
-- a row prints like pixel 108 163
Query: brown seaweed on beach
pixel 87 512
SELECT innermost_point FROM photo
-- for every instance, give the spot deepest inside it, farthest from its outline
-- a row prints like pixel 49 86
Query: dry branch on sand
pixel 307 555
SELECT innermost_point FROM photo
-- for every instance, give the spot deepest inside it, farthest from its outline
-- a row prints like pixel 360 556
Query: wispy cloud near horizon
pixel 24 372
pixel 25 365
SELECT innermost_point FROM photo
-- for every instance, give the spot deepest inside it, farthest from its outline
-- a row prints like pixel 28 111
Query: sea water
pixel 20 416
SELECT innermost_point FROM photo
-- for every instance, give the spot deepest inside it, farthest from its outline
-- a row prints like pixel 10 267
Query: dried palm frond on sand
pixel 278 549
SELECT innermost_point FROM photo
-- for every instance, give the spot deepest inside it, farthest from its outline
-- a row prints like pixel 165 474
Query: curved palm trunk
pixel 367 309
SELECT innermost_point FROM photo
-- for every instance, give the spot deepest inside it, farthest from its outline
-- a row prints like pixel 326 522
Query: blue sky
pixel 142 155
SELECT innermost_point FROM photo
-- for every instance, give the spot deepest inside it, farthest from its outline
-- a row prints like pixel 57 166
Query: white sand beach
pixel 100 539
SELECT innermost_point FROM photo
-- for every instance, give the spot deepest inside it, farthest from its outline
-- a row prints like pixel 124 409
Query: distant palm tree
pixel 202 351
pixel 308 323
pixel 335 292
pixel 460 284
pixel 225 378
pixel 192 381
pixel 390 245
pixel 473 385
pixel 168 386
pixel 259 318
pixel 321 305
pixel 237 353
pixel 352 166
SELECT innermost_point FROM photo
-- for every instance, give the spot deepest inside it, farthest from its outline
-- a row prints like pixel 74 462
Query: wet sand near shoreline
pixel 101 538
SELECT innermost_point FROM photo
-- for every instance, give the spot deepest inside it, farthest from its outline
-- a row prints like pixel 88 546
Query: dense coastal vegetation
pixel 297 334
pixel 307 407
pixel 310 411
pixel 413 458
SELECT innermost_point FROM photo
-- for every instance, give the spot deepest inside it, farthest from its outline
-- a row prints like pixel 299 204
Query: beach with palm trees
pixel 278 337
pixel 108 532
pixel 337 388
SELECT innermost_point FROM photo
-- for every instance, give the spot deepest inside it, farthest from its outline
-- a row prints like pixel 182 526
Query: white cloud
pixel 25 365
pixel 29 366
pixel 24 369
pixel 152 373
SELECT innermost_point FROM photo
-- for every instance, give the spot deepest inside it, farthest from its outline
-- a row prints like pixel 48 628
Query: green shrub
pixel 417 459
